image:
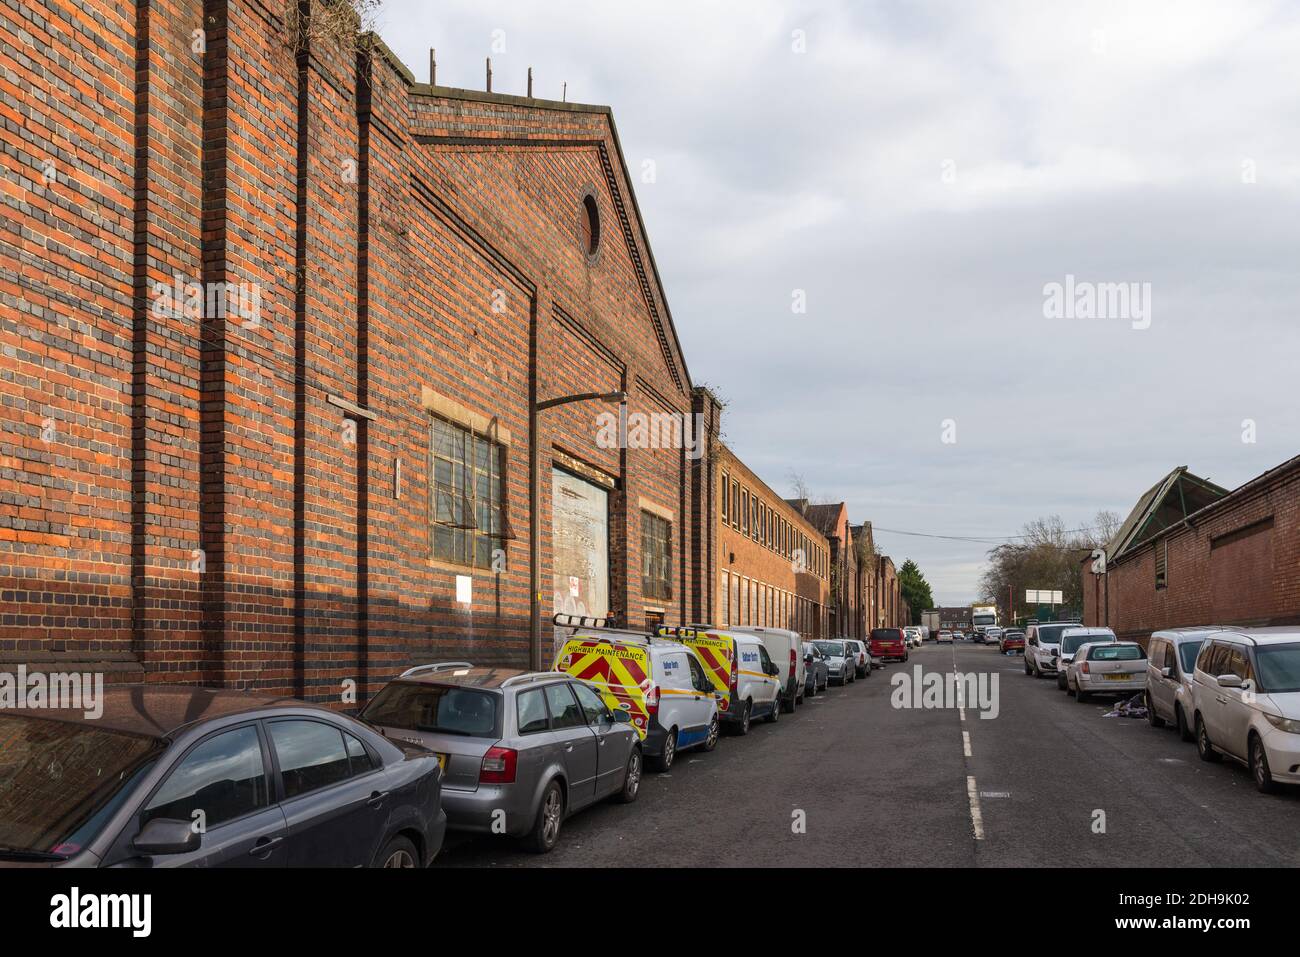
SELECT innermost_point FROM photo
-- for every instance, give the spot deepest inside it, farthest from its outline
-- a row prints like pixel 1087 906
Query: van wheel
pixel 664 761
pixel 788 700
pixel 711 740
pixel 742 728
pixel 1060 681
pixel 1155 720
pixel 1080 695
pixel 1028 670
pixel 631 778
pixel 777 708
pixel 545 833
pixel 1180 721
pixel 1203 746
pixel 1259 769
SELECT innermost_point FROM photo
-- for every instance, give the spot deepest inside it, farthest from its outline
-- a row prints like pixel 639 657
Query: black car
pixel 171 776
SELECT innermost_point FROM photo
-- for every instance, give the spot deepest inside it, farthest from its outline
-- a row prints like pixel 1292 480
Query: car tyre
pixel 1061 682
pixel 1259 769
pixel 1080 695
pixel 662 762
pixel 399 852
pixel 1204 747
pixel 742 727
pixel 711 739
pixel 545 833
pixel 1028 670
pixel 631 778
pixel 1154 719
pixel 788 700
pixel 1180 721
pixel 774 715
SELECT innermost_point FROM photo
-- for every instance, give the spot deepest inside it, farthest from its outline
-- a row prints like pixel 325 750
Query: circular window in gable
pixel 589 219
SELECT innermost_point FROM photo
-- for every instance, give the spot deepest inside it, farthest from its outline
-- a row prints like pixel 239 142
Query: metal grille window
pixel 465 501
pixel 656 557
pixel 1162 564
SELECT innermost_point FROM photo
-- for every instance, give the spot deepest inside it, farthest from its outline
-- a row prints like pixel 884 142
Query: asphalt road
pixel 1048 782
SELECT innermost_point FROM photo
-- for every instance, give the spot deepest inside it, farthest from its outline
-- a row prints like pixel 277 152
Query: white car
pixel 1171 661
pixel 1107 667
pixel 945 638
pixel 1071 640
pixel 913 636
pixel 1246 702
pixel 785 648
pixel 1043 645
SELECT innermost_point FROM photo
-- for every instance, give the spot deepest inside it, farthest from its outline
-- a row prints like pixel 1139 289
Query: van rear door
pixel 619 671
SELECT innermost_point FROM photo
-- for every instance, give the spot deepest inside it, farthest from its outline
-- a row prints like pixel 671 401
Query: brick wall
pixel 1234 562
pixel 244 500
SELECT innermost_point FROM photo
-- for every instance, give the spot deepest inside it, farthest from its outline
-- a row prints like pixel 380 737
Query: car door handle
pixel 376 798
pixel 601 740
pixel 568 748
pixel 264 846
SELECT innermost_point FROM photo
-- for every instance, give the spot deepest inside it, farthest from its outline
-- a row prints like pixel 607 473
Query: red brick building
pixel 280 326
pixel 847 592
pixel 1192 553
pixel 771 565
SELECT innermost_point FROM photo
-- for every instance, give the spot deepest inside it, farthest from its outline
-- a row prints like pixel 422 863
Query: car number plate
pixel 1119 676
pixel 442 760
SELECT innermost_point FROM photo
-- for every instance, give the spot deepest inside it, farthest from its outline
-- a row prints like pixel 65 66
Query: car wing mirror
pixel 1166 672
pixel 165 835
pixel 1229 681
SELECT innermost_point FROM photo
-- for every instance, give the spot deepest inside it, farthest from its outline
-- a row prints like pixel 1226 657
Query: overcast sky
pixel 922 171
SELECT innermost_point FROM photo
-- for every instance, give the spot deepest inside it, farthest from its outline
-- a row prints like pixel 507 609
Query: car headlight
pixel 1284 724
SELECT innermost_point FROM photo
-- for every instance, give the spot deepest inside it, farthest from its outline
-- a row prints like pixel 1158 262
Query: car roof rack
pixel 434 667
pixel 530 677
pixel 585 621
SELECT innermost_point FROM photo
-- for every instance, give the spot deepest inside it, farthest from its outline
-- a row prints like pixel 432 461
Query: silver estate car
pixel 520 750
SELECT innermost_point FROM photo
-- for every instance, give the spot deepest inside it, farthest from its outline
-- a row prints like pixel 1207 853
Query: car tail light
pixel 498 766
pixel 792 663
pixel 1084 668
pixel 735 676
pixel 652 701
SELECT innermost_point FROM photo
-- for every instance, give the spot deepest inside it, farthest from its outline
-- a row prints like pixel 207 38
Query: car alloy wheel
pixel 670 752
pixel 552 811
pixel 1203 746
pixel 1259 767
pixel 775 716
pixel 744 718
pixel 1154 719
pixel 401 857
pixel 711 741
pixel 1180 721
pixel 632 780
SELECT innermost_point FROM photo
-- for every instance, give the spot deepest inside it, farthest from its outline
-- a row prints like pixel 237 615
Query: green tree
pixel 915 590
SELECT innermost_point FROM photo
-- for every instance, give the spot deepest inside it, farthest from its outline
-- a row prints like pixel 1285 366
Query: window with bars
pixel 1162 564
pixel 465 496
pixel 656 557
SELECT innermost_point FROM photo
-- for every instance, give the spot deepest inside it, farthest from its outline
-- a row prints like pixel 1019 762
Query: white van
pixel 744 675
pixel 662 684
pixel 785 648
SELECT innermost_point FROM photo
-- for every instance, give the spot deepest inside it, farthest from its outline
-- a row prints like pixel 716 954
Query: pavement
pixel 852 781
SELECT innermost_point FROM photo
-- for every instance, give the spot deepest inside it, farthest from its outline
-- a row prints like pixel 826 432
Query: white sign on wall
pixel 464 589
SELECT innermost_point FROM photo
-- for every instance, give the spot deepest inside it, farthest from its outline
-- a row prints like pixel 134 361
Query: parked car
pixel 839 660
pixel 522 751
pixel 1246 701
pixel 959 636
pixel 945 638
pixel 1042 645
pixel 926 634
pixel 1107 667
pixel 861 658
pixel 992 635
pixel 783 646
pixel 913 637
pixel 818 674
pixel 888 644
pixel 1012 640
pixel 1071 640
pixel 663 685
pixel 1171 662
pixel 274 781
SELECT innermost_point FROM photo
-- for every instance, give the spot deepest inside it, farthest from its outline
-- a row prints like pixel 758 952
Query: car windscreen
pixel 1278 668
pixel 886 634
pixel 1115 653
pixel 1187 652
pixel 832 648
pixel 1051 634
pixel 445 709
pixel 60 781
pixel 1072 643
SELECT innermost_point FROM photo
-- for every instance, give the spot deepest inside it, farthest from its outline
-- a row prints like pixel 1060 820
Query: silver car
pixel 1108 667
pixel 1171 663
pixel 520 751
pixel 839 660
pixel 1072 639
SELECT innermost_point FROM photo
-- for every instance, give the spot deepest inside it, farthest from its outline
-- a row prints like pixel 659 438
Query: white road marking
pixel 965 742
pixel 976 818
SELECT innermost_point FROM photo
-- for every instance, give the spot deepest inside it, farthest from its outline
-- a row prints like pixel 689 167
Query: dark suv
pixel 171 776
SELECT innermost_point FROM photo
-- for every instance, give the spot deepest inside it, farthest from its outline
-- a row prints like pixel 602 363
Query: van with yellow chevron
pixel 746 678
